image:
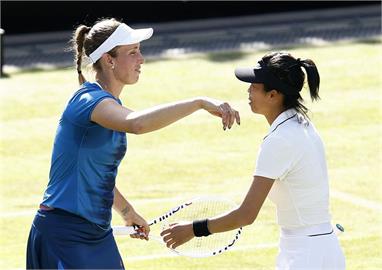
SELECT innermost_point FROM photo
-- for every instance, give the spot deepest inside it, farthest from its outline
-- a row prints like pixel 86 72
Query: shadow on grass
pixel 227 56
pixel 237 54
pixel 12 72
pixel 371 41
pixel 223 56
pixel 219 57
pixel 4 76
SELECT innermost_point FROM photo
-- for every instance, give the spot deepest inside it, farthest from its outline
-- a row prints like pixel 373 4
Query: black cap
pixel 261 74
pixel 251 75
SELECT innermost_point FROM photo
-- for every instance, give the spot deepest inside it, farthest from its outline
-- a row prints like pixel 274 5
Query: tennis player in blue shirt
pixel 71 230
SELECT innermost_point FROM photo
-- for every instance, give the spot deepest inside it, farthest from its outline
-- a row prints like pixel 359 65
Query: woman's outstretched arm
pixel 109 114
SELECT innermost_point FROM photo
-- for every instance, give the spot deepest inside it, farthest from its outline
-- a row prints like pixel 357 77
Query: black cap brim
pixel 250 75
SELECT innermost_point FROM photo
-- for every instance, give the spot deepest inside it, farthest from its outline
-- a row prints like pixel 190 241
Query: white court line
pixel 244 248
pixel 347 197
pixel 172 254
pixel 18 214
pixel 31 213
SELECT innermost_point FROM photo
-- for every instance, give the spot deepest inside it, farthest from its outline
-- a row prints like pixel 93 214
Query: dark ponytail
pixel 288 71
pixel 313 78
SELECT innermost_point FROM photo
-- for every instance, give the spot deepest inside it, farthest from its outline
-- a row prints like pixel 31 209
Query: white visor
pixel 123 35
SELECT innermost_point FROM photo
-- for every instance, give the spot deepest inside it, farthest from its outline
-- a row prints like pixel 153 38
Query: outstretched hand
pixel 177 234
pixel 223 110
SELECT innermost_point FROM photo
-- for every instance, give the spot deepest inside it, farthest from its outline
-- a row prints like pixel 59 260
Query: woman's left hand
pixel 177 234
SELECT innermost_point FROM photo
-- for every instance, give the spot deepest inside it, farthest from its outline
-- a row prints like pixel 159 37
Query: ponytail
pixel 313 77
pixel 78 44
pixel 288 70
pixel 84 42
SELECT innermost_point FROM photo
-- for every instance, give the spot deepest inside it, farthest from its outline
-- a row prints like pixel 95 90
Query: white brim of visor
pixel 123 35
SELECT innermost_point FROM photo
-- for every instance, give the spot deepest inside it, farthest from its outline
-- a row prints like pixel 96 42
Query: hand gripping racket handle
pixel 124 230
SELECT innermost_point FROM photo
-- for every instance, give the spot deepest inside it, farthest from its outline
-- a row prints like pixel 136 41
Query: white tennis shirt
pixel 293 154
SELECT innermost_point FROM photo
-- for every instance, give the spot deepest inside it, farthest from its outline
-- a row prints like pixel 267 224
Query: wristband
pixel 200 228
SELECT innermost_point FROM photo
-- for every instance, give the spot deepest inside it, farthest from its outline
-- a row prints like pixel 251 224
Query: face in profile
pixel 257 97
pixel 127 65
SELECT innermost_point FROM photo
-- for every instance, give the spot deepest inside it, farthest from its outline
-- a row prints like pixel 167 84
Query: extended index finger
pixel 168 230
pixel 164 232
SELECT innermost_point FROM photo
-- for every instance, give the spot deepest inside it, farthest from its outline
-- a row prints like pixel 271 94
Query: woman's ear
pixel 275 96
pixel 108 60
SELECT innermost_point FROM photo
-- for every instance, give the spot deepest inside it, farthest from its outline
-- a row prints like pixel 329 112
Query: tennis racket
pixel 198 208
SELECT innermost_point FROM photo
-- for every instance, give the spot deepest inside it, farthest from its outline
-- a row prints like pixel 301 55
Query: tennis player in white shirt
pixel 290 169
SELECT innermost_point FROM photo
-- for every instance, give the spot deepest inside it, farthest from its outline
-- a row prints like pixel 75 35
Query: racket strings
pixel 213 244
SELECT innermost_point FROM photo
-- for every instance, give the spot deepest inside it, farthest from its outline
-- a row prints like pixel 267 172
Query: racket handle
pixel 124 230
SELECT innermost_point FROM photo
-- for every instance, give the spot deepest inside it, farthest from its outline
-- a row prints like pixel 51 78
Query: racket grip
pixel 124 230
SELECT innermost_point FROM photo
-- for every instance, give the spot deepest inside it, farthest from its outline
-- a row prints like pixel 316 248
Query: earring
pixel 112 67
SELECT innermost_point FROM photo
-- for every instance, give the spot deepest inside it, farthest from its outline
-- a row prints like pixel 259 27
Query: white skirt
pixel 313 247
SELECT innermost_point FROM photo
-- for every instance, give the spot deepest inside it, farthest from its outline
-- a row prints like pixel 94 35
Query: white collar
pixel 97 83
pixel 281 119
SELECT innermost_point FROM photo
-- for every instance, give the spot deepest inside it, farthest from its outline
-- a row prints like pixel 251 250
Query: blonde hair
pixel 86 40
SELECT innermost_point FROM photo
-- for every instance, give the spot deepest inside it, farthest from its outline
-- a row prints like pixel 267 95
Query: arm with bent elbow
pixel 244 215
pixel 109 114
pixel 247 212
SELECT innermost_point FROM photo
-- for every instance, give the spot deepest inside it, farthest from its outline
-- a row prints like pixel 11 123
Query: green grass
pixel 195 156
